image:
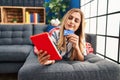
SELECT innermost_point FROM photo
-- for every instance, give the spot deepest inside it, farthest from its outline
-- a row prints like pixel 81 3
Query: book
pixel 31 18
pixel 27 17
pixel 35 18
pixel 43 42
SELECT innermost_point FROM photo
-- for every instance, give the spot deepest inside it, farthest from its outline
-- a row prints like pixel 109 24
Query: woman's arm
pixel 80 56
pixel 74 40
pixel 43 57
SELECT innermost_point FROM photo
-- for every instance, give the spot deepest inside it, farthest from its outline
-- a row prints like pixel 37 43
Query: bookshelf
pixel 37 13
pixel 0 15
pixel 17 15
pixel 12 14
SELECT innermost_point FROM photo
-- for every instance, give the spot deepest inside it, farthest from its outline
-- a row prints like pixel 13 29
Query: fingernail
pixel 40 50
pixel 45 51
pixel 49 55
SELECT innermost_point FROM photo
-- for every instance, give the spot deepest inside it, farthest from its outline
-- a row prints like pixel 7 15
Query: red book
pixel 35 18
pixel 43 41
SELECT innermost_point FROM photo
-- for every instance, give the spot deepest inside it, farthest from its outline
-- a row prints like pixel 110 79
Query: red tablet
pixel 43 41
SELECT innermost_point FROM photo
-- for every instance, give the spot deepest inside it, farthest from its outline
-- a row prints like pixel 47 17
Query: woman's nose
pixel 72 21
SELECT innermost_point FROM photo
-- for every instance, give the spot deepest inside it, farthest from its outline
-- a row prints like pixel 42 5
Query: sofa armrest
pixel 91 38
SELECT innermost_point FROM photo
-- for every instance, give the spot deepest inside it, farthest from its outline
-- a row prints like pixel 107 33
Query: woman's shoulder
pixel 54 30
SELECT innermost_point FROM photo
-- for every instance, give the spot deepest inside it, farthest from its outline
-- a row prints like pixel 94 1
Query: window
pixel 113 25
pixel 103 19
pixel 93 8
pixel 100 45
pixel 87 27
pixel 102 7
pixel 113 6
pixel 87 11
pixel 112 48
pixel 93 25
pixel 101 26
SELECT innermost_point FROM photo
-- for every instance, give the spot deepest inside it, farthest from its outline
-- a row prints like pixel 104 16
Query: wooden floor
pixel 8 76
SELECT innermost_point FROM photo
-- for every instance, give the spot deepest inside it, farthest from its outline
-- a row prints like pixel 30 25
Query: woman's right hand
pixel 43 58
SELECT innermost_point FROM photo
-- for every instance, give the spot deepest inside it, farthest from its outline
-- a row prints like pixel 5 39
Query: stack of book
pixel 32 17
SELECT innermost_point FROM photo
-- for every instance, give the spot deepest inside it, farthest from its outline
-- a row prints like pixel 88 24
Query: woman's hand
pixel 43 58
pixel 74 40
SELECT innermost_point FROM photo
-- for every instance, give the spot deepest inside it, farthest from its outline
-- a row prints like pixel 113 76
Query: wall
pixel 34 3
pixel 75 4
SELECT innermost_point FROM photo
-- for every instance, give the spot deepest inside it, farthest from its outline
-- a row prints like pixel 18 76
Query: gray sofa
pixel 15 45
pixel 17 56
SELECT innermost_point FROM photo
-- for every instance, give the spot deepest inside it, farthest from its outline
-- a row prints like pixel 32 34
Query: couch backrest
pixel 15 34
pixel 37 28
pixel 91 38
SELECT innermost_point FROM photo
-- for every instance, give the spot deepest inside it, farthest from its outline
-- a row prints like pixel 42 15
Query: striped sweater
pixel 54 34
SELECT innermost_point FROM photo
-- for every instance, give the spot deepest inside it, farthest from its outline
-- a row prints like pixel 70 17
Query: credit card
pixel 67 32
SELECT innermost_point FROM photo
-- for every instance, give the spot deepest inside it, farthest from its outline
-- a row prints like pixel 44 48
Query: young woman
pixel 71 47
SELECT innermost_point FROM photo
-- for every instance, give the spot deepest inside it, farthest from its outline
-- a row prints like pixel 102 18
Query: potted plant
pixel 14 20
pixel 56 9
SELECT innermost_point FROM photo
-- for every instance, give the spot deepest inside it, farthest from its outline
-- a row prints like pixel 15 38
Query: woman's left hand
pixel 74 39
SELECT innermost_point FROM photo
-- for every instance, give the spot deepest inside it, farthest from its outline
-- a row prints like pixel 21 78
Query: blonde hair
pixel 79 32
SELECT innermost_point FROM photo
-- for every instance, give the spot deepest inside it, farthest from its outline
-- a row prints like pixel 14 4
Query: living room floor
pixel 8 76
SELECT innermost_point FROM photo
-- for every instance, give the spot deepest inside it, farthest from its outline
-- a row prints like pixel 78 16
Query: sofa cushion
pixel 15 34
pixel 14 53
pixel 93 68
pixel 37 28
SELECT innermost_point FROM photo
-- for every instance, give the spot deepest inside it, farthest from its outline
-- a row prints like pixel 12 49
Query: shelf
pixel 40 12
pixel 0 15
pixel 10 15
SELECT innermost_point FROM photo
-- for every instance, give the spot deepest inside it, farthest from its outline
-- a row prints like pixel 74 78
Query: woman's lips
pixel 69 25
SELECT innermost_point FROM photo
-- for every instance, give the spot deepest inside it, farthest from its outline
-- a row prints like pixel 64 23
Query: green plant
pixel 56 8
pixel 14 20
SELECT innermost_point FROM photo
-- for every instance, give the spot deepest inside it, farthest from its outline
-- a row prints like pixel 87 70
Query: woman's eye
pixel 70 17
pixel 76 20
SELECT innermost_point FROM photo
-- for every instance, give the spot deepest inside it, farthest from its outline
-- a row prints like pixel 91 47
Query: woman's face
pixel 73 21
